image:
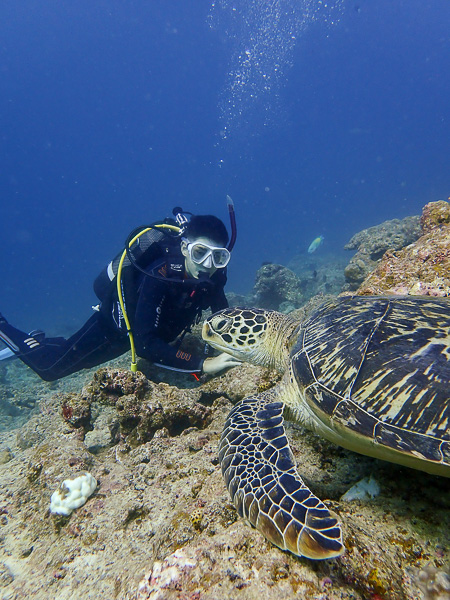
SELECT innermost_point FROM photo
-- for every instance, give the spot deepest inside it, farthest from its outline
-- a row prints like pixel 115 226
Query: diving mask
pixel 208 256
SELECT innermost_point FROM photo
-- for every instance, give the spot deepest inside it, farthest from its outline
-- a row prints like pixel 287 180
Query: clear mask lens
pixel 220 257
pixel 199 254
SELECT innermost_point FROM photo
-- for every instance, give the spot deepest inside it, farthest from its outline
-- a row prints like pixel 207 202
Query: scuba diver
pixel 151 294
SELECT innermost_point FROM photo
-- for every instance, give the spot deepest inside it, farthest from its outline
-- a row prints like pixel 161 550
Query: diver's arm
pixel 149 316
pixel 216 364
pixel 162 354
pixel 150 313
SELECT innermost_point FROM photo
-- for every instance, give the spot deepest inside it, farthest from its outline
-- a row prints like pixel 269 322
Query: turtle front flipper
pixel 260 474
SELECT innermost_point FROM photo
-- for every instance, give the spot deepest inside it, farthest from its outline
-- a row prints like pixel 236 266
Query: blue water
pixel 317 118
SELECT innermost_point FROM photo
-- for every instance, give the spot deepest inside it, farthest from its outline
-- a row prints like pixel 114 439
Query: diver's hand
pixel 214 365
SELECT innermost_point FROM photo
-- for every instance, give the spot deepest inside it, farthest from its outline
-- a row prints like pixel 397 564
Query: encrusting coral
pixel 373 242
pixel 421 268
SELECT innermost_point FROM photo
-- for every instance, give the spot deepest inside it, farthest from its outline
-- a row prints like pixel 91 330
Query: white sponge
pixel 72 493
pixel 365 489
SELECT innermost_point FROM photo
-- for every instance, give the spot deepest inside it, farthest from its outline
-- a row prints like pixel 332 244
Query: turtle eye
pixel 222 325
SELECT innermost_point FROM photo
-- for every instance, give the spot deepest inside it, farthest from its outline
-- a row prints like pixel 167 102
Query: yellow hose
pixel 120 291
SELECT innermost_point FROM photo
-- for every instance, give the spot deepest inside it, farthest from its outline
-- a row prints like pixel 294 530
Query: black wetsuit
pixel 160 309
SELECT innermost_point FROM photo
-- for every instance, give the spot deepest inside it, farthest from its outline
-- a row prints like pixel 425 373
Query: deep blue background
pixel 110 116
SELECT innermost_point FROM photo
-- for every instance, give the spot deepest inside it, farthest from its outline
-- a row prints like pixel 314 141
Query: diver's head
pixel 204 246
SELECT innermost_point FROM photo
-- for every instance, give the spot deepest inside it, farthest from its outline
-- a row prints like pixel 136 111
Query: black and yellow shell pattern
pixel 380 368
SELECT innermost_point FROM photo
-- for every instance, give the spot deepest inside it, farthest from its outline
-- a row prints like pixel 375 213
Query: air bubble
pixel 263 34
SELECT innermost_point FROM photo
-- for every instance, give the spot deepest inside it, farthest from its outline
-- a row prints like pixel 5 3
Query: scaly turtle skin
pixel 369 373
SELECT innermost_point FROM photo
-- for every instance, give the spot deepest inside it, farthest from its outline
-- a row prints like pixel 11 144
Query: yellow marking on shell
pixel 418 454
pixel 434 341
pixel 368 389
pixel 337 369
pixel 417 400
pixel 397 396
pixel 447 424
pixel 331 366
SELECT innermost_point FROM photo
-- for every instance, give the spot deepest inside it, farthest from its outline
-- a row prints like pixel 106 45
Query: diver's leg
pixel 53 358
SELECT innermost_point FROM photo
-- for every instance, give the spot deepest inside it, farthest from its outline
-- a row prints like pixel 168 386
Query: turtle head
pixel 253 335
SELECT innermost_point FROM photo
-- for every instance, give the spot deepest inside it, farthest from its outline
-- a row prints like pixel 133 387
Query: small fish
pixel 315 244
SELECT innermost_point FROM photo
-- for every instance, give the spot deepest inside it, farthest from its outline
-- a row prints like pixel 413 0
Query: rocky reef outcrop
pixel 286 288
pixel 370 245
pixel 435 215
pixel 422 267
pixel 277 288
pixel 318 273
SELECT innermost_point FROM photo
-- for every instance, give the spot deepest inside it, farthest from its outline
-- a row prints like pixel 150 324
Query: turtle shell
pixel 378 370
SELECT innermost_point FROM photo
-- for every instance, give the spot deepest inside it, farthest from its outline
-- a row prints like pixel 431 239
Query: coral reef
pixel 435 214
pixel 143 408
pixel 423 267
pixel 160 525
pixel 76 410
pixel 373 242
pixel 319 273
pixel 277 287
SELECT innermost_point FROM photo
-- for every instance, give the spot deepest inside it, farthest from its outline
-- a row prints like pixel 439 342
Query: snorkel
pixel 182 220
pixel 232 216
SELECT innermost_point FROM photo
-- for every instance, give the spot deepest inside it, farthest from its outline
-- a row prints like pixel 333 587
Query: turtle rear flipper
pixel 259 471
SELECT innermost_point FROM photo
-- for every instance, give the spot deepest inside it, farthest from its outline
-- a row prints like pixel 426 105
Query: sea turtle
pixel 371 374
